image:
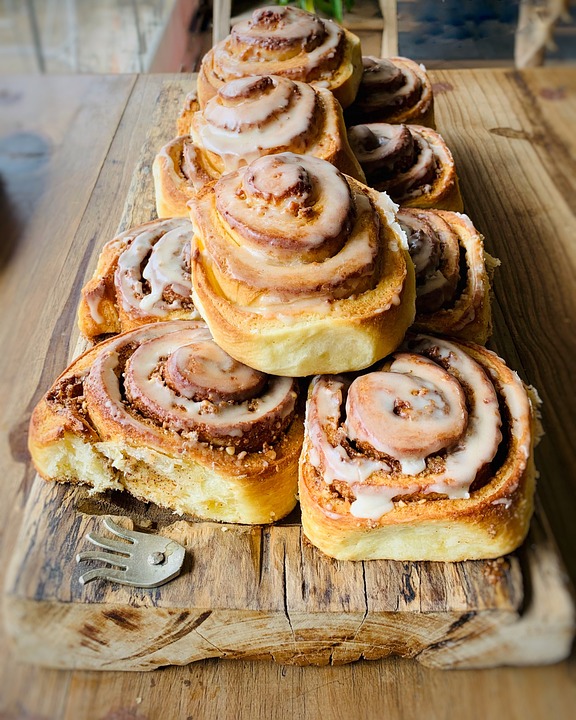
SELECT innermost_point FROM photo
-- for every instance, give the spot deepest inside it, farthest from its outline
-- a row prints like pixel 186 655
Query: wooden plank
pixel 389 10
pixel 285 600
pixel 534 35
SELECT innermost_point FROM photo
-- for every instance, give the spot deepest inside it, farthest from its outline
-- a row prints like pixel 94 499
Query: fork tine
pixel 118 530
pixel 109 544
pixel 110 558
pixel 104 573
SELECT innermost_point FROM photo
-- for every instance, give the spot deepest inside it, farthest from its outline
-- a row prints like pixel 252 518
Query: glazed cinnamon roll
pixel 164 413
pixel 426 457
pixel 142 276
pixel 453 273
pixel 412 163
pixel 285 41
pixel 392 90
pixel 299 269
pixel 248 118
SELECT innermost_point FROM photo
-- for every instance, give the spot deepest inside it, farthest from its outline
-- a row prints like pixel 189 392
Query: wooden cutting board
pixel 263 592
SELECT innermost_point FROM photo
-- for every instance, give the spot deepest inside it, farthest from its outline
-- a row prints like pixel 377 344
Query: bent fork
pixel 143 561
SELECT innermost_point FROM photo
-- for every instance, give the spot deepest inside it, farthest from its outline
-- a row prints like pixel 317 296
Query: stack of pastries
pixel 306 318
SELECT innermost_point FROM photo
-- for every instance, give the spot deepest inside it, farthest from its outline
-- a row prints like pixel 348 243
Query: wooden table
pixel 68 148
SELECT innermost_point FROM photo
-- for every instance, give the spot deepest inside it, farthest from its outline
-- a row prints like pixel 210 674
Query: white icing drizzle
pixel 256 124
pixel 296 27
pixel 480 442
pixel 268 204
pixel 168 246
pixel 93 299
pixel 374 501
pixel 507 502
pixel 475 447
pixel 156 343
pixel 409 412
pixel 323 412
pixel 358 252
pixel 146 358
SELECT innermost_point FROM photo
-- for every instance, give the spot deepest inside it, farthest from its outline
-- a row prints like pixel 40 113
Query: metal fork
pixel 145 560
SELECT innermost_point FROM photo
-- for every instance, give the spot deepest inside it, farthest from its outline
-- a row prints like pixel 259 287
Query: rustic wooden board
pixel 263 592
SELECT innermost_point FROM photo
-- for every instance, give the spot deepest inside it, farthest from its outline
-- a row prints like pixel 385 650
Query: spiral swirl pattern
pixel 162 412
pixel 435 250
pixel 246 119
pixel 289 240
pixel 453 273
pixel 392 90
pixel 285 41
pixel 176 380
pixel 426 424
pixel 412 163
pixel 267 114
pixel 143 275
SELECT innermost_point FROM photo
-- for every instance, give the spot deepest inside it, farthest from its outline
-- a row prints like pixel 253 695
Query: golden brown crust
pixel 289 304
pixel 407 99
pixel 119 297
pixel 465 311
pixel 80 433
pixel 285 41
pixel 420 524
pixel 422 174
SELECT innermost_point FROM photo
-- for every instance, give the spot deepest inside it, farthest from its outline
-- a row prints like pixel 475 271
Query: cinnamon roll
pixel 453 273
pixel 190 106
pixel 248 118
pixel 392 90
pixel 412 163
pixel 142 276
pixel 164 413
pixel 298 269
pixel 180 170
pixel 426 457
pixel 285 41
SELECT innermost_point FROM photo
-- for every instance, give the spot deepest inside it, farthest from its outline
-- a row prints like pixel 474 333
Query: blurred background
pixel 125 36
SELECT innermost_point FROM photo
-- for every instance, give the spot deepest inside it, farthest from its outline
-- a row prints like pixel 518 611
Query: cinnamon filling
pixel 386 87
pixel 278 206
pixel 381 72
pixel 383 150
pixel 172 377
pixel 424 425
pixel 191 165
pixel 394 157
pixel 281 28
pixel 435 250
pixel 68 395
pixel 153 272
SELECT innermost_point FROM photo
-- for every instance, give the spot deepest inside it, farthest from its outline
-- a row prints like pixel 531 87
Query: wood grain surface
pixel 68 149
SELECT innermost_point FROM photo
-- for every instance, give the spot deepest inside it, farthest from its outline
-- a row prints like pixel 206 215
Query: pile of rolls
pixel 305 319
